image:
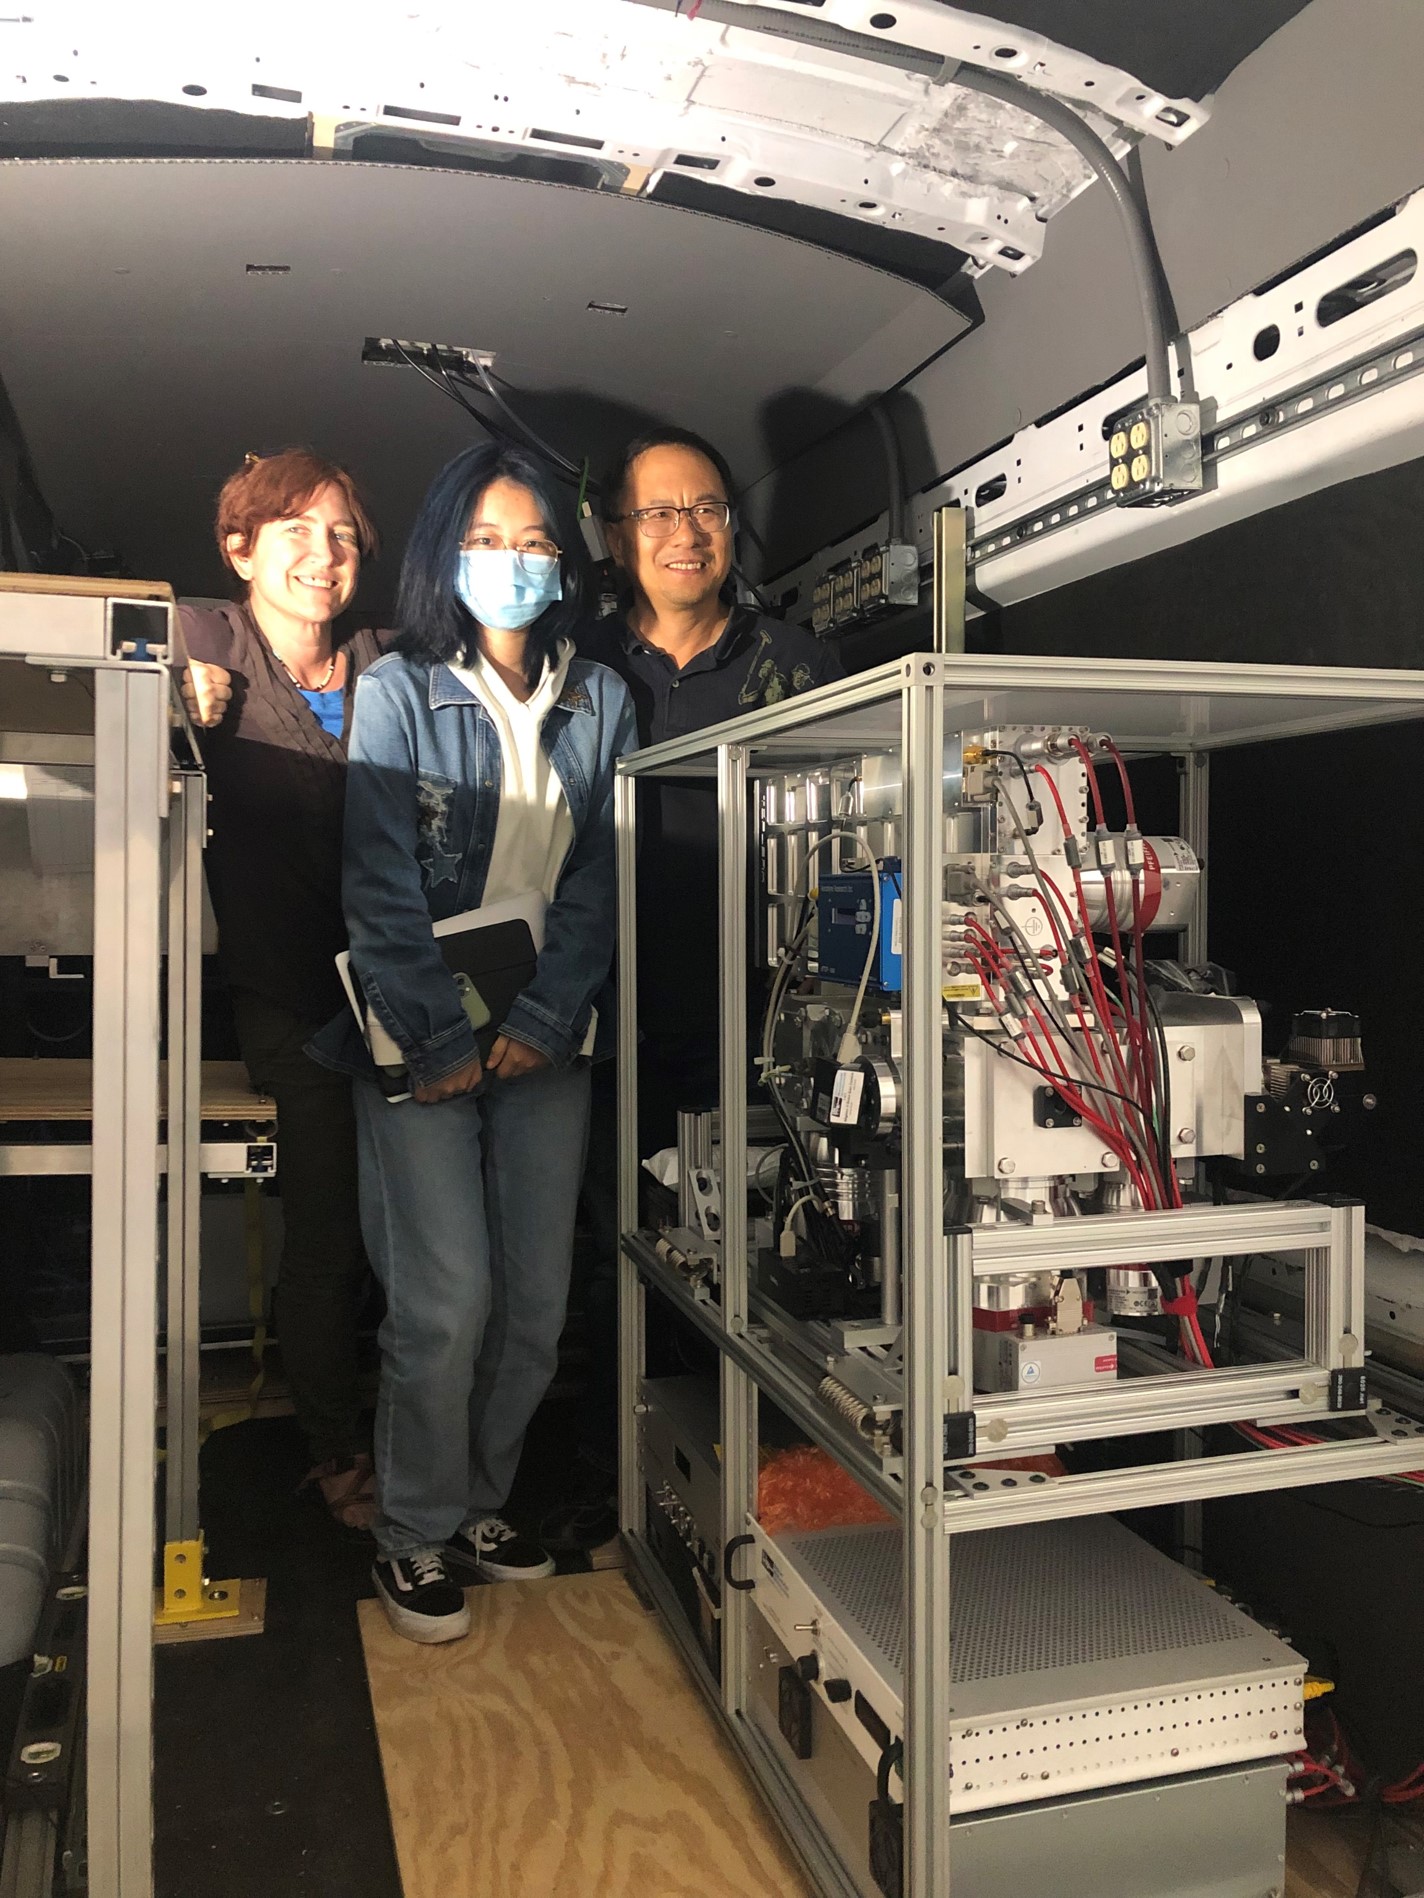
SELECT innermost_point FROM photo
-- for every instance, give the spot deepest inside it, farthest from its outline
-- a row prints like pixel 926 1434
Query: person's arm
pixel 205 681
pixel 393 949
pixel 207 692
pixel 580 925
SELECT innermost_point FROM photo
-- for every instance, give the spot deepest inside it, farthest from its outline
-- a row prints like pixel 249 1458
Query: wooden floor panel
pixel 560 1751
pixel 1326 1852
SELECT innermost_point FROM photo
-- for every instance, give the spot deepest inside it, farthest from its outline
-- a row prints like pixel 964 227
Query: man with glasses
pixel 691 656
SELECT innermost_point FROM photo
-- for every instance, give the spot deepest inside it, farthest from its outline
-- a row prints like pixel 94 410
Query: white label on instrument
pixel 897 928
pixel 845 1097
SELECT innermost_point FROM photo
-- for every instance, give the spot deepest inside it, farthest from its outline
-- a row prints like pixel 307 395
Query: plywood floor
pixel 1326 1851
pixel 561 1751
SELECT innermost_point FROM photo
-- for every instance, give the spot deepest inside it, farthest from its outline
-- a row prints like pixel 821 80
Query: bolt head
pixel 1186 1052
pixel 1187 1136
pixel 1006 1165
pixel 1109 1162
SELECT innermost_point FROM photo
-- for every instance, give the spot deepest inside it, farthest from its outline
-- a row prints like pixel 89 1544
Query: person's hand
pixel 463 1081
pixel 510 1058
pixel 207 692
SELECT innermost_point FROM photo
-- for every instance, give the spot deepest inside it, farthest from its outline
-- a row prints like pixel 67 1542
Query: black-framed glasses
pixel 660 523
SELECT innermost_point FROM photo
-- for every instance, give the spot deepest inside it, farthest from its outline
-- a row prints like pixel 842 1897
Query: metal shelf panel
pixel 1192 1480
pixel 218 1159
pixel 1149 706
pixel 796 1398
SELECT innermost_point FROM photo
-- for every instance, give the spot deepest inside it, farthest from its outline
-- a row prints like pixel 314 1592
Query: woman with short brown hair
pixel 293 529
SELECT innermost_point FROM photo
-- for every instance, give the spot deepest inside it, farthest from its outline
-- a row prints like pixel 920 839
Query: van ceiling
pixel 174 314
pixel 177 313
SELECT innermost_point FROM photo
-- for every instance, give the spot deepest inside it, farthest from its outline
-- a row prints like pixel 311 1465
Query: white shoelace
pixel 493 1530
pixel 426 1568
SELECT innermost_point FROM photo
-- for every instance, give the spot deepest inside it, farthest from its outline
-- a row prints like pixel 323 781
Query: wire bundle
pixel 1332 1772
pixel 800 1188
pixel 511 430
pixel 1104 1049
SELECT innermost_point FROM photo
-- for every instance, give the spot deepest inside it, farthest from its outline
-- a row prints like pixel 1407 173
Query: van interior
pixel 1073 348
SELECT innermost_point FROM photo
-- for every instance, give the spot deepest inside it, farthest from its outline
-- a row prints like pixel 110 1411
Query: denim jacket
pixel 422 801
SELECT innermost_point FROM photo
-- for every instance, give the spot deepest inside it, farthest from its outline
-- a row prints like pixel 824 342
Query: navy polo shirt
pixel 757 661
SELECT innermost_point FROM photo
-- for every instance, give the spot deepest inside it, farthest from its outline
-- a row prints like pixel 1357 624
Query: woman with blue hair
pixel 482 763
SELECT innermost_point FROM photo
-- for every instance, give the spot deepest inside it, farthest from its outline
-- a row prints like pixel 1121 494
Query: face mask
pixel 505 590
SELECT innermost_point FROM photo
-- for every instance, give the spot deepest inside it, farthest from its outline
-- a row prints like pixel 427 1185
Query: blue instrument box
pixel 844 914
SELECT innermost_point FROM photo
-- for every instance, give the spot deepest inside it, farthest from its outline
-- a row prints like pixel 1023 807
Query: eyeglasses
pixel 533 556
pixel 660 523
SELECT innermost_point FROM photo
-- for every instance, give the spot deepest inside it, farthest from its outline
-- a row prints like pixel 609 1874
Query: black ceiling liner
pixel 935 267
pixel 1184 48
pixel 143 128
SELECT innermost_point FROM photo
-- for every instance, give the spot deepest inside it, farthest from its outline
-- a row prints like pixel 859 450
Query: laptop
pixel 492 952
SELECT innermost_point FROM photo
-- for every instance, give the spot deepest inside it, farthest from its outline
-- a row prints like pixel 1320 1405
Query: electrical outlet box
pixel 1154 452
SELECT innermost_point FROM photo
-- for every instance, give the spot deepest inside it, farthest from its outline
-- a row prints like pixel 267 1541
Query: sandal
pixel 348 1488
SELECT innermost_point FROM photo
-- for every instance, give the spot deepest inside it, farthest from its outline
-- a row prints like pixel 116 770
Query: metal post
pixel 185 950
pixel 630 1351
pixel 950 579
pixel 188 1596
pixel 130 798
pixel 1193 795
pixel 1334 1326
pixel 925 1769
pixel 738 1391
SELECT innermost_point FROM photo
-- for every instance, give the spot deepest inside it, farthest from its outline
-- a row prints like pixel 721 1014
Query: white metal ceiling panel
pixel 763 109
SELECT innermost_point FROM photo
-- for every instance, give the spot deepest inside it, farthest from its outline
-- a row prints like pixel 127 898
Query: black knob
pixel 837 1691
pixel 808 1666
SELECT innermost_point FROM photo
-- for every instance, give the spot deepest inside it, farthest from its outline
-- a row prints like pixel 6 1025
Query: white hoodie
pixel 535 829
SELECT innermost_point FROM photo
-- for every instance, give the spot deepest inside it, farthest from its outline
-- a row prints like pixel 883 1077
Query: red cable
pixel 1095 979
pixel 1052 1068
pixel 1110 897
pixel 1121 764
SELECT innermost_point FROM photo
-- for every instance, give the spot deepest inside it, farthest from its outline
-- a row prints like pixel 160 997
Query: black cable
pixel 894 467
pixel 1044 1074
pixel 1052 895
pixel 752 588
pixel 445 386
pixel 1014 759
pixel 1081 136
pixel 534 439
pixel 453 389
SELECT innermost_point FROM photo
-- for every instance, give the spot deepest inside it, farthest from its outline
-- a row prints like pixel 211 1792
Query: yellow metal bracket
pixel 188 1595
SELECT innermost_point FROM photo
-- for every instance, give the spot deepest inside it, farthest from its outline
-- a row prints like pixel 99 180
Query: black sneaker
pixel 493 1548
pixel 588 1516
pixel 420 1600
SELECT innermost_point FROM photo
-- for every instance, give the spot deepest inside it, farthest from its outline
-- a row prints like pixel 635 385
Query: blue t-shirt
pixel 330 708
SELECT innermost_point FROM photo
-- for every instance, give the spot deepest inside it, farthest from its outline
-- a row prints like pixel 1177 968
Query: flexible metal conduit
pixel 1041 105
pixel 1081 136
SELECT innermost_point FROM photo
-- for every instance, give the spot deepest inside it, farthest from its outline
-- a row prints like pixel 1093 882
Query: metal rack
pixel 918 708
pixel 85 681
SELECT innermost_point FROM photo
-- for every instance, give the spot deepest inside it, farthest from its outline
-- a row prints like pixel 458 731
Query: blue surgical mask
pixel 507 590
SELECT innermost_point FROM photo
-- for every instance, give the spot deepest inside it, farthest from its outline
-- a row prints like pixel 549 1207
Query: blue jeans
pixel 467 1207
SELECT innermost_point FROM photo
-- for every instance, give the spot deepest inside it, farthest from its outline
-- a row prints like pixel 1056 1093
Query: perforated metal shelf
pixel 1079 1656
